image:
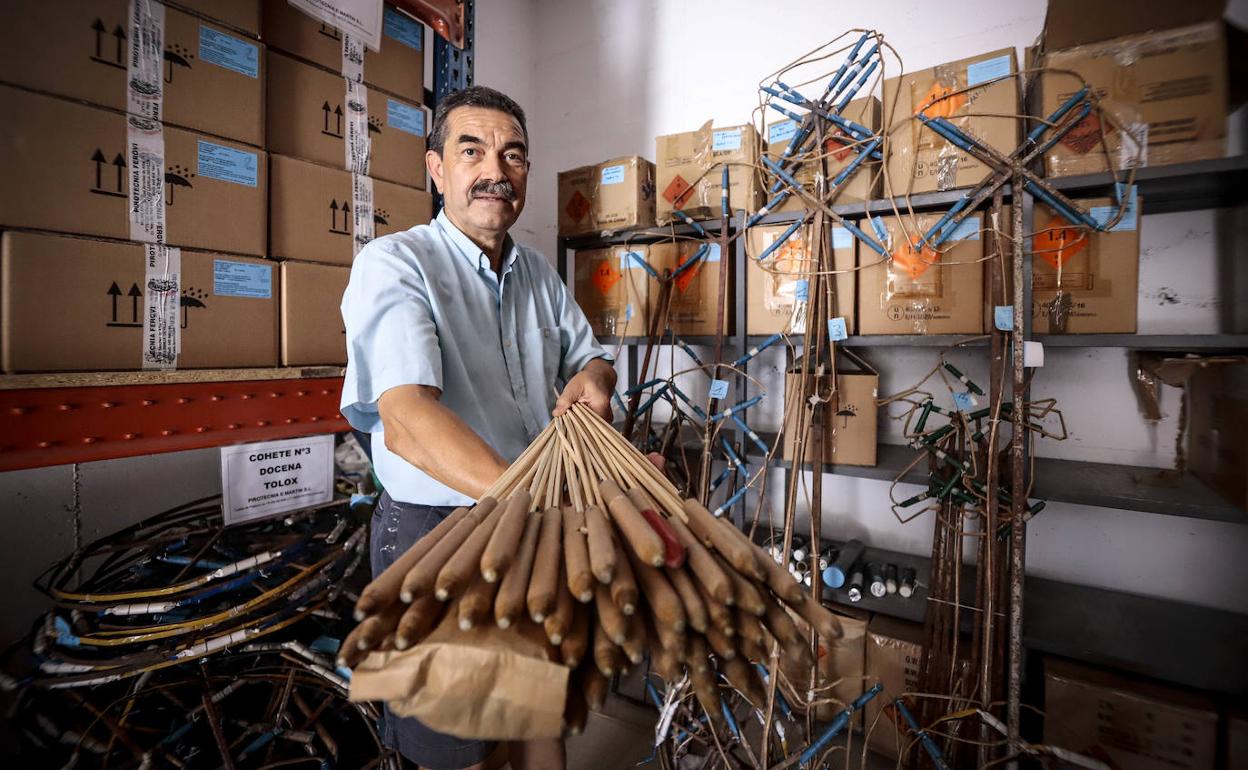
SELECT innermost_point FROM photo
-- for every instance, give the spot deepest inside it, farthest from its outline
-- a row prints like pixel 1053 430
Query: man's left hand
pixel 592 387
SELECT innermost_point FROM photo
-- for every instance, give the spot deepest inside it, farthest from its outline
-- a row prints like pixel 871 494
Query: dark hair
pixel 473 96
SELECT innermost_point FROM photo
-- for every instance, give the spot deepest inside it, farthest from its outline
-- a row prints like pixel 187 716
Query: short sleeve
pixel 392 338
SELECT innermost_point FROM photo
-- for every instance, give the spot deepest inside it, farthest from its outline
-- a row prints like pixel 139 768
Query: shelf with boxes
pixel 1172 641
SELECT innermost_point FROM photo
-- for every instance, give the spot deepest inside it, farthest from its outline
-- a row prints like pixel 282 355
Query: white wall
pixel 611 76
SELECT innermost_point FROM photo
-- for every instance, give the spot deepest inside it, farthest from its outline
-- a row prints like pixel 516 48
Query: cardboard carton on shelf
pixel 1159 73
pixel 923 291
pixel 617 194
pixel 307 119
pixel 894 658
pixel 695 292
pixel 313 333
pixel 1084 281
pixel 1217 397
pixel 76 304
pixel 66 170
pixel 397 67
pixel 213 76
pixel 614 290
pixel 862 185
pixel 1126 721
pixel 243 15
pixel 848 421
pixel 688 171
pixel 976 101
pixel 310 211
pixel 776 288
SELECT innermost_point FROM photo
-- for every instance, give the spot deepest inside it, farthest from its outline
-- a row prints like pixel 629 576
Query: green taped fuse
pixel 1003 531
pixel 936 435
pixel 927 410
pixel 946 457
pixel 962 378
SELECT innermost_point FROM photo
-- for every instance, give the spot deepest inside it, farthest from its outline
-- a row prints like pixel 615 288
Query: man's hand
pixel 592 386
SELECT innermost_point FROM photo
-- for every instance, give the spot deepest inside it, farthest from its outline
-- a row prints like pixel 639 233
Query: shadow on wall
pixel 594 71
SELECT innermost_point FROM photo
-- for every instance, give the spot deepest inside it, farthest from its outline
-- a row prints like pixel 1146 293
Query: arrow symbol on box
pixel 134 294
pixel 120 163
pixel 120 34
pixel 114 291
pixel 99 160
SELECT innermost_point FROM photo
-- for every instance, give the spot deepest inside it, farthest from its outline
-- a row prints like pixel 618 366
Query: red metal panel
pixel 54 426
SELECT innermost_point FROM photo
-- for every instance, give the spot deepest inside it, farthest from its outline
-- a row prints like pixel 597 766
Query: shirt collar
pixel 471 251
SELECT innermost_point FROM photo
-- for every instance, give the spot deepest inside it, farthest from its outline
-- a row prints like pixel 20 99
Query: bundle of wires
pixel 179 642
pixel 180 586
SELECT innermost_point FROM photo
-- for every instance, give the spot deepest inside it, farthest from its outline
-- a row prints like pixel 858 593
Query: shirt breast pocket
pixel 544 344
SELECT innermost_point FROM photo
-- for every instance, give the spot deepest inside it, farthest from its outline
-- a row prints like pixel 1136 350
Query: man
pixel 456 340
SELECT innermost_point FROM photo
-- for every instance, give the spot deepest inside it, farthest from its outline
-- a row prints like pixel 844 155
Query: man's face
pixel 483 171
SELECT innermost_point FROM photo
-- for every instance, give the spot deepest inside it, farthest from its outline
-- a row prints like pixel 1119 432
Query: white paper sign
pixel 358 18
pixel 271 477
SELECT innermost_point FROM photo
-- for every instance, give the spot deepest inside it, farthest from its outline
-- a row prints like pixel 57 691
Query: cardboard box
pixel 774 287
pixel 313 333
pixel 617 194
pixel 74 304
pixel 923 293
pixel 919 160
pixel 862 185
pixel 307 218
pixel 214 78
pixel 1084 281
pixel 844 659
pixel 849 422
pixel 1237 739
pixel 243 15
pixel 1217 400
pixel 695 292
pixel 688 173
pixel 1160 70
pixel 66 170
pixel 1168 89
pixel 1127 722
pixel 894 658
pixel 306 120
pixel 398 67
pixel 613 290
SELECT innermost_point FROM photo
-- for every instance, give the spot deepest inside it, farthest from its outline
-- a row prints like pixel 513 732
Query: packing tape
pixel 362 225
pixel 358 147
pixel 145 61
pixel 145 140
pixel 352 58
pixel 162 283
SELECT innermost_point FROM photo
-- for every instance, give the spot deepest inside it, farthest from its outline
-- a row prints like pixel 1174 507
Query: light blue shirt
pixel 423 307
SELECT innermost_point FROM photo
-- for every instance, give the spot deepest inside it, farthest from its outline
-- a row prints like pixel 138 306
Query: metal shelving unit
pixel 1173 641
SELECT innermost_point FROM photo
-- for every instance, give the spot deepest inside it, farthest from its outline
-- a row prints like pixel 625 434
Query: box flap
pixel 1078 22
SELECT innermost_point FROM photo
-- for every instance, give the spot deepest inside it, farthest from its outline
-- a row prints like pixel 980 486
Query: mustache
pixel 503 188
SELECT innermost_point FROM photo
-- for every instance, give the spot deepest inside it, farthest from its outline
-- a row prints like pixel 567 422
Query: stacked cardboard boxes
pixel 72 170
pixel 313 193
pixel 617 194
pixel 688 171
pixel 838 152
pixel 695 290
pixel 614 289
pixel 778 286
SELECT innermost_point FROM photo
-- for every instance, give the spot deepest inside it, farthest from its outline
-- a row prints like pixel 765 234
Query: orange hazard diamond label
pixel 578 206
pixel 838 146
pixel 1085 135
pixel 1057 243
pixel 685 279
pixel 678 192
pixel 913 260
pixel 941 102
pixel 605 276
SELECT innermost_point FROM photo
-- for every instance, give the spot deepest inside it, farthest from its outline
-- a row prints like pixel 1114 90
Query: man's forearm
pixel 427 434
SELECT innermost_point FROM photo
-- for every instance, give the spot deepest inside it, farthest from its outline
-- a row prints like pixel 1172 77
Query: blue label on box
pixel 719 388
pixel 712 254
pixel 841 238
pixel 229 52
pixel 405 117
pixel 966 230
pixel 726 141
pixel 241 279
pixel 962 401
pixel 631 259
pixel 1130 216
pixel 403 28
pixel 228 164
pixel 988 69
pixel 836 329
pixel 801 290
pixel 782 131
pixel 613 174
pixel 628 312
pixel 1003 317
